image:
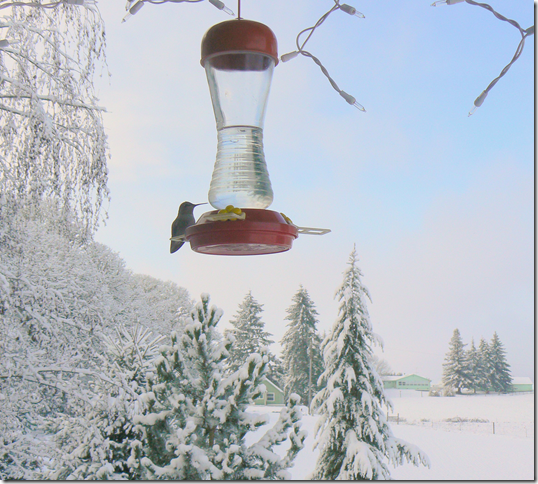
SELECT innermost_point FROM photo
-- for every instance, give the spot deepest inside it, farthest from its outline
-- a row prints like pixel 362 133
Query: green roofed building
pixel 273 395
pixel 407 382
pixel 522 384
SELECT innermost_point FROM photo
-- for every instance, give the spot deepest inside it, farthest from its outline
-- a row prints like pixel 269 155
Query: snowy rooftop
pixel 399 377
pixel 521 380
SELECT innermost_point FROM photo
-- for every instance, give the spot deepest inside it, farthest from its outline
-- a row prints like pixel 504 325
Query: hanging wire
pixel 133 6
pixel 524 34
pixel 300 49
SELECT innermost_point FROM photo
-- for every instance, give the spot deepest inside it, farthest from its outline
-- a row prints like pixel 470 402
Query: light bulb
pixel 446 2
pixel 351 100
pixel 351 10
pixel 133 10
pixel 220 5
pixel 478 102
pixel 289 56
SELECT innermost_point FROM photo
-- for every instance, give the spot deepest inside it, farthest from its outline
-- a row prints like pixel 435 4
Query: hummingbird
pixel 185 218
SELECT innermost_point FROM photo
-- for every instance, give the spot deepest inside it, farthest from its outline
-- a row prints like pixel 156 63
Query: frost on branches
pixel 353 434
pixel 52 138
pixel 196 419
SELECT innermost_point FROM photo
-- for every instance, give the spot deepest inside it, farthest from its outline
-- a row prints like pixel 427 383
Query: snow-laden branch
pixel 53 99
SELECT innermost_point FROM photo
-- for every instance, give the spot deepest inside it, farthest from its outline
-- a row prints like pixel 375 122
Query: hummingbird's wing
pixel 177 229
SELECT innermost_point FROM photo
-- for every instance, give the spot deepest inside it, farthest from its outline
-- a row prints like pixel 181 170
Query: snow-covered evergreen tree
pixel 500 379
pixel 474 368
pixel 97 445
pixel 275 370
pixel 354 437
pixel 484 366
pixel 456 368
pixel 248 331
pixel 301 353
pixel 196 417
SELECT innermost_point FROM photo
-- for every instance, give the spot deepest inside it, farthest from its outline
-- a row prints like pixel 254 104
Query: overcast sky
pixel 439 205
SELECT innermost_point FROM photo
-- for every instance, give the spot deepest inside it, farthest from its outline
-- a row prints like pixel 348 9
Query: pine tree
pixel 98 445
pixel 474 367
pixel 499 371
pixel 483 366
pixel 275 370
pixel 355 439
pixel 248 332
pixel 301 353
pixel 456 372
pixel 195 419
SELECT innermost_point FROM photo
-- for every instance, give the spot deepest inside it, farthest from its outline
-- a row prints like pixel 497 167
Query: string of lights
pixel 300 49
pixel 6 4
pixel 134 6
pixel 85 3
pixel 524 34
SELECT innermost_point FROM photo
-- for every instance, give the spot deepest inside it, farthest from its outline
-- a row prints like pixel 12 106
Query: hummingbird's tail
pixel 175 246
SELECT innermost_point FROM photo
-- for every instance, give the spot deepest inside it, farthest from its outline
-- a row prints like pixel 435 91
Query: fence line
pixel 516 429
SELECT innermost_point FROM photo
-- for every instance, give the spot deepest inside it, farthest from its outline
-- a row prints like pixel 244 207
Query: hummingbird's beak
pixel 196 204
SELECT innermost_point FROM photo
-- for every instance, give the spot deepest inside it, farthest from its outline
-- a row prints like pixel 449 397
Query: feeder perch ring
pixel 261 232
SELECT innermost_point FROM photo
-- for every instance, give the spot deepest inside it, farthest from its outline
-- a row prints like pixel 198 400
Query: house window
pixel 270 397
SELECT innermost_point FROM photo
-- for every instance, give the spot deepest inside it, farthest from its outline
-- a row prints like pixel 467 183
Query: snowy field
pixel 457 435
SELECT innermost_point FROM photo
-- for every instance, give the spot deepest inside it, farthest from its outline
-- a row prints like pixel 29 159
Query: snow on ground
pixel 461 456
pixel 458 450
pixel 513 407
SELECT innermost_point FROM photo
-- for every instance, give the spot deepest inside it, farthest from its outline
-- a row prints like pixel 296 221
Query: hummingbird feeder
pixel 239 57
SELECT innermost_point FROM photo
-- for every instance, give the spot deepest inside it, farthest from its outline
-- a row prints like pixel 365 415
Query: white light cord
pixel 133 6
pixel 524 34
pixel 300 50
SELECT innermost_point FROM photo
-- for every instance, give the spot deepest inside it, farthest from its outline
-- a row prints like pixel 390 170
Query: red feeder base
pixel 262 232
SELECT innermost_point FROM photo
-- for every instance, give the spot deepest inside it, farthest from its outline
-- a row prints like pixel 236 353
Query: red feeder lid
pixel 239 36
pixel 262 232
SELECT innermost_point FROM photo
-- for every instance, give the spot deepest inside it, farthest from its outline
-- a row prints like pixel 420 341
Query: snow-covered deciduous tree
pixel 49 327
pixel 382 366
pixel 160 305
pixel 248 331
pixel 52 139
pixel 60 294
pixel 301 353
pixel 196 419
pixel 354 437
pixel 500 379
pixel 456 368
